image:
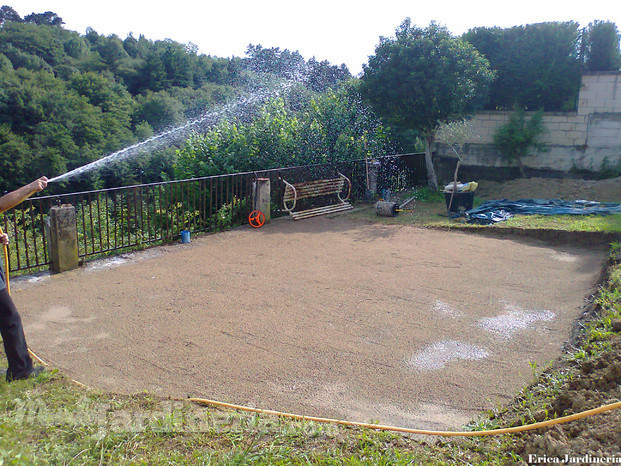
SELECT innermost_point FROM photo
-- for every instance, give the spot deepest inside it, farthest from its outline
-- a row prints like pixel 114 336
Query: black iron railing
pixel 131 217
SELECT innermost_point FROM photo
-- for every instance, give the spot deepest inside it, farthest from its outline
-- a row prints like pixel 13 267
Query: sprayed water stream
pixel 176 133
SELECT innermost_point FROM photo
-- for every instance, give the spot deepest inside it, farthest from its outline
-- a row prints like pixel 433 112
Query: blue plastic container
pixel 185 236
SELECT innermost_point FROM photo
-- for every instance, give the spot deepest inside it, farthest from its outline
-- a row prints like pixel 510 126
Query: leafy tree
pixel 92 36
pixel 152 75
pixel 34 40
pixel 14 155
pixel 9 14
pixel 321 76
pixel 178 65
pixel 602 47
pixel 5 64
pixel 143 131
pixel 215 70
pixel 75 47
pixel 197 102
pixel 338 125
pixel 282 63
pixel 520 135
pixel 318 76
pixel 20 59
pixel 160 110
pixel 102 91
pixel 111 51
pixel 115 103
pixel 537 65
pixel 48 18
pixel 422 78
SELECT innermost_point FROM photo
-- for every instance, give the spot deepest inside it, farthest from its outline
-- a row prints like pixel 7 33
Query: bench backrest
pixel 314 188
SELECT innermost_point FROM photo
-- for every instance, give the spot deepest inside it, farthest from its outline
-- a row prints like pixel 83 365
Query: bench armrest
pixel 348 188
pixel 289 187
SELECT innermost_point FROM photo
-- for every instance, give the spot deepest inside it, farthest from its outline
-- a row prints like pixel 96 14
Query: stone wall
pixel 585 139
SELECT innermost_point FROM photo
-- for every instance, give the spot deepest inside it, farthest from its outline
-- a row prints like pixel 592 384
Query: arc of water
pixel 171 133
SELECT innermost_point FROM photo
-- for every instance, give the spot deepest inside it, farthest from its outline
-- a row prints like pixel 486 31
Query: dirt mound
pixel 552 188
pixel 597 382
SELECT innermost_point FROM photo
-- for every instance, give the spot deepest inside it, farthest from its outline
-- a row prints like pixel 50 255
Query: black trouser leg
pixel 20 364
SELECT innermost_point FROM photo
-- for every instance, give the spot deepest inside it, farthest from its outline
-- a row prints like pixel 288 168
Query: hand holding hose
pixel 38 185
pixel 10 200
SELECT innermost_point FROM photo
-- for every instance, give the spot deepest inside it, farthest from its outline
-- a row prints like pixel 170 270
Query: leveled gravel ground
pixel 324 317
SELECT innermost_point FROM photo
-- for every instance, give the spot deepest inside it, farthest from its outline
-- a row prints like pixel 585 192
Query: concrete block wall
pixel 600 93
pixel 586 138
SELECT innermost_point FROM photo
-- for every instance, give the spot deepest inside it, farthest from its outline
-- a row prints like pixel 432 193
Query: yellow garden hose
pixel 442 433
pixel 8 289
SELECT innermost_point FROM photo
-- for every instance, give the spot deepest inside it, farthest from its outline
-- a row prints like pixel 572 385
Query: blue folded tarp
pixel 497 211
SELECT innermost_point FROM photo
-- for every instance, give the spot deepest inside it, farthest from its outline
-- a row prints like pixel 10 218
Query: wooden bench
pixel 296 191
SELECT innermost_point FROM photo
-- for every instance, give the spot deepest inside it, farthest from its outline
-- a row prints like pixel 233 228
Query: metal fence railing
pixel 132 217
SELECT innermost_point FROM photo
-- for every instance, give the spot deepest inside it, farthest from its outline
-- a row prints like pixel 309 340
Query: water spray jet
pixel 175 133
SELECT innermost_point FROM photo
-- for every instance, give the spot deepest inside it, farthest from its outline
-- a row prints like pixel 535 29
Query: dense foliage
pixel 539 65
pixel 422 78
pixel 601 45
pixel 334 126
pixel 68 99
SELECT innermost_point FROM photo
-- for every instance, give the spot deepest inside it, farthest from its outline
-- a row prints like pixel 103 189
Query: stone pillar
pixel 262 198
pixel 373 168
pixel 63 238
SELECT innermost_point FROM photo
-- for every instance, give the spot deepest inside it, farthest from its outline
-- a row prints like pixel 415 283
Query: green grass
pixel 597 223
pixel 50 420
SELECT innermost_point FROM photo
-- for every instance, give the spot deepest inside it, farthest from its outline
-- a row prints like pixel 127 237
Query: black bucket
pixel 461 201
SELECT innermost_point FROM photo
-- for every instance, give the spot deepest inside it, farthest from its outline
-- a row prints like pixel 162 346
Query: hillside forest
pixel 69 98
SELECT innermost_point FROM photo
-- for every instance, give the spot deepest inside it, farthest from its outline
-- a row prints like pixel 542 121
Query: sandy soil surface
pixel 324 317
pixel 546 188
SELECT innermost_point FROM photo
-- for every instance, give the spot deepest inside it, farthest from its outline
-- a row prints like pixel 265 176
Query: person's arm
pixel 10 200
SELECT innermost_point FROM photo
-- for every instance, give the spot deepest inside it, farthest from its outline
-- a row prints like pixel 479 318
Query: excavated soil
pixel 545 188
pixel 325 317
pixel 595 383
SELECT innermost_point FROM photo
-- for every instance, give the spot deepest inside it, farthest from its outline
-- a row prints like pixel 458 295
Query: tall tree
pixel 537 65
pixel 282 63
pixel 178 65
pixel 41 41
pixel 602 47
pixel 321 76
pixel 49 18
pixel 9 14
pixel 422 78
